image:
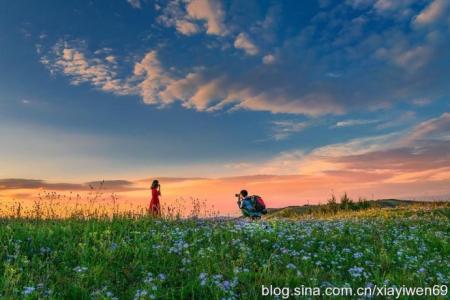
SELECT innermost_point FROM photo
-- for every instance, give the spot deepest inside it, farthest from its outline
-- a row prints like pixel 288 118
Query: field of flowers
pixel 145 258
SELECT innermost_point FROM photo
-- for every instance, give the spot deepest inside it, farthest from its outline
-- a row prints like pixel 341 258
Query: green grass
pixel 141 258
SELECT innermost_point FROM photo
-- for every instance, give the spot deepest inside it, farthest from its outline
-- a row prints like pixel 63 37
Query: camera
pixel 237 195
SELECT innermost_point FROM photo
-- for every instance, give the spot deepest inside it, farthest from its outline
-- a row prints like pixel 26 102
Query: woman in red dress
pixel 154 207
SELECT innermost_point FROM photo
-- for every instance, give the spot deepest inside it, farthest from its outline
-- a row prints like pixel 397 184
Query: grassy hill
pixel 348 206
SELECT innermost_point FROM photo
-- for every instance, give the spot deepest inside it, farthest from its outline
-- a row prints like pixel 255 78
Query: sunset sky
pixel 293 100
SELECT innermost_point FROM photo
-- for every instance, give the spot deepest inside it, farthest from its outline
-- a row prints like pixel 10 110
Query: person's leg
pixel 154 210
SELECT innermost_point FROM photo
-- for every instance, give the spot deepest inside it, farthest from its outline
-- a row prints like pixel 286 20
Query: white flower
pixel 79 269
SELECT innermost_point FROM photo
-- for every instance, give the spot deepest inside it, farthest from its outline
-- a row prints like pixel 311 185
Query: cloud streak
pixel 348 123
pixel 284 129
pixel 432 13
pixel 23 183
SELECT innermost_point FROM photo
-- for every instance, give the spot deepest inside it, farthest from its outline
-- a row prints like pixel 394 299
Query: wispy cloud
pixel 243 42
pixel 135 3
pixel 211 12
pixel 432 13
pixel 283 129
pixel 269 59
pixel 348 123
pixel 71 59
pixel 24 183
pixel 421 151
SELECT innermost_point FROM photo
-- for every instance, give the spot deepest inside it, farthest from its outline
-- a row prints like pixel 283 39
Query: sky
pixel 293 100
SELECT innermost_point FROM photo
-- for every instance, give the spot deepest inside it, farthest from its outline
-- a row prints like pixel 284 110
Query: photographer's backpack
pixel 259 204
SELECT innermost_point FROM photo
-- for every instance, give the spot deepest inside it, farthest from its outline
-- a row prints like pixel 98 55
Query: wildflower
pixel 217 277
pixel 226 284
pixel 139 294
pixel 149 278
pixel 162 277
pixel 79 269
pixel 358 255
pixel 291 266
pixel 28 290
pixel 45 250
pixel 356 271
pixel 203 278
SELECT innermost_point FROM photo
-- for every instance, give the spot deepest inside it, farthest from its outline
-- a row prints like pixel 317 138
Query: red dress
pixel 154 207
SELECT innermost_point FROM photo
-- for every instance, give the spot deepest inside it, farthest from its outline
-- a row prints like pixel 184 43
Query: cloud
pixel 111 59
pixel 153 78
pixel 383 6
pixel 243 42
pixel 268 59
pixel 283 129
pixel 20 183
pixel 421 101
pixel 421 154
pixel 404 119
pixel 432 13
pixel 135 3
pixel 433 129
pixel 70 59
pixel 186 27
pixel 184 15
pixel 347 123
pixel 210 11
pixel 23 183
pixel 310 77
pixel 204 92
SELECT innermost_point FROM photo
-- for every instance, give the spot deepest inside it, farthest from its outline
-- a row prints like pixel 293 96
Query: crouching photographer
pixel 251 206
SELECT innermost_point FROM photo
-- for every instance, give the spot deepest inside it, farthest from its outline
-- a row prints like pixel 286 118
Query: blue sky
pixel 124 89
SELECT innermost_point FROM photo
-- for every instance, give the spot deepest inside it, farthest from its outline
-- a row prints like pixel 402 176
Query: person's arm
pixel 159 189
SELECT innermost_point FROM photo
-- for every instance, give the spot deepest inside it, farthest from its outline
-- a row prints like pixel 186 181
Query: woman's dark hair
pixel 155 184
pixel 244 193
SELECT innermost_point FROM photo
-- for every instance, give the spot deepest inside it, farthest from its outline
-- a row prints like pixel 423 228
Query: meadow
pixel 139 257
